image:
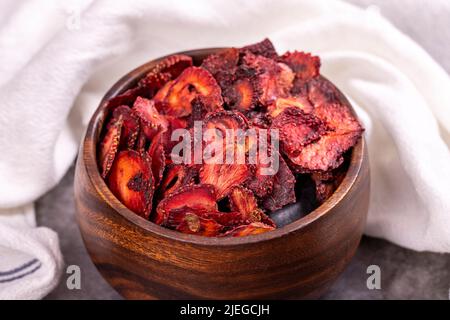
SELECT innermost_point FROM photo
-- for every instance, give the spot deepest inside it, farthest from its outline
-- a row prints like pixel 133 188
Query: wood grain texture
pixel 144 261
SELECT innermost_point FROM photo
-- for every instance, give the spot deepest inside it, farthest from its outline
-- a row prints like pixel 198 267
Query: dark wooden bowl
pixel 142 260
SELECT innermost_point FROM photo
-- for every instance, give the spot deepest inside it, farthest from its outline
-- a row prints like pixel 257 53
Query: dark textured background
pixel 405 274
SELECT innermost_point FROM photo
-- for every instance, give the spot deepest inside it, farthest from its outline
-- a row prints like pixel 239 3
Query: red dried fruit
pixel 161 95
pixel 322 92
pixel 188 221
pixel 273 80
pixel 283 192
pixel 150 119
pixel 165 70
pixel 196 197
pixel 304 65
pixel 297 129
pixel 131 181
pixel 248 230
pixel 157 155
pixel 226 127
pixel 130 129
pixel 109 146
pixel 176 177
pixel 325 154
pixel 241 95
pixel 282 103
pixel 338 117
pixel 127 98
pixel 243 200
pixel 345 130
pixel 224 176
pixel 224 61
pixel 264 48
pixel 192 82
pixel 327 182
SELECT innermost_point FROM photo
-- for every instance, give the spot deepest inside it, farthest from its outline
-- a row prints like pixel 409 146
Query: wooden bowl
pixel 142 260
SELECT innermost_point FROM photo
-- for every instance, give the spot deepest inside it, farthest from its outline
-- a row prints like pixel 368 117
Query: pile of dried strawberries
pixel 249 87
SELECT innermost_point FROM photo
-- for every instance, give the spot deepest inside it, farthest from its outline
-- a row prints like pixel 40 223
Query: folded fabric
pixel 57 64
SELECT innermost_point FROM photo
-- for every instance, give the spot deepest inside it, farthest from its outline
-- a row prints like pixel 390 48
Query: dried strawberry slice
pixel 130 128
pixel 156 153
pixel 161 95
pixel 297 129
pixel 325 154
pixel 193 81
pixel 283 191
pixel 167 69
pixel 327 182
pixel 127 98
pixel 304 65
pixel 241 95
pixel 248 230
pixel 264 48
pixel 338 117
pixel 176 177
pixel 282 103
pixel 188 221
pixel 150 119
pixel 224 176
pixel 224 61
pixel 196 197
pixel 243 200
pixel 154 82
pixel 226 219
pixel 321 91
pixel 131 181
pixel 109 146
pixel 273 79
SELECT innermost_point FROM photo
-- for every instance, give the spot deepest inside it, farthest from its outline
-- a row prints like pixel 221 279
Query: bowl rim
pixel 89 149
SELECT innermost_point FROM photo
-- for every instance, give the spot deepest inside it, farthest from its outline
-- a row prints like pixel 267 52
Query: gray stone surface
pixel 405 274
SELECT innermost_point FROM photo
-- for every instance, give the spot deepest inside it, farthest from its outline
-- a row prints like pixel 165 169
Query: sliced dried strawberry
pixel 304 65
pixel 161 95
pixel 150 120
pixel 338 117
pixel 131 181
pixel 196 197
pixel 165 70
pixel 130 128
pixel 193 81
pixel 264 48
pixel 274 80
pixel 127 98
pixel 223 62
pixel 327 182
pixel 241 95
pixel 224 176
pixel 176 177
pixel 258 119
pixel 292 101
pixel 188 221
pixel 326 153
pixel 109 146
pixel 153 82
pixel 243 200
pixel 283 191
pixel 297 129
pixel 156 153
pixel 321 91
pixel 248 230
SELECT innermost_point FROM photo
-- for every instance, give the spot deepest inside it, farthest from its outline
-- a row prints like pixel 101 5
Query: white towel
pixel 58 60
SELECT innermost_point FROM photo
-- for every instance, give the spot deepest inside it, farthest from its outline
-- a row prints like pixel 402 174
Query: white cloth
pixel 58 60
